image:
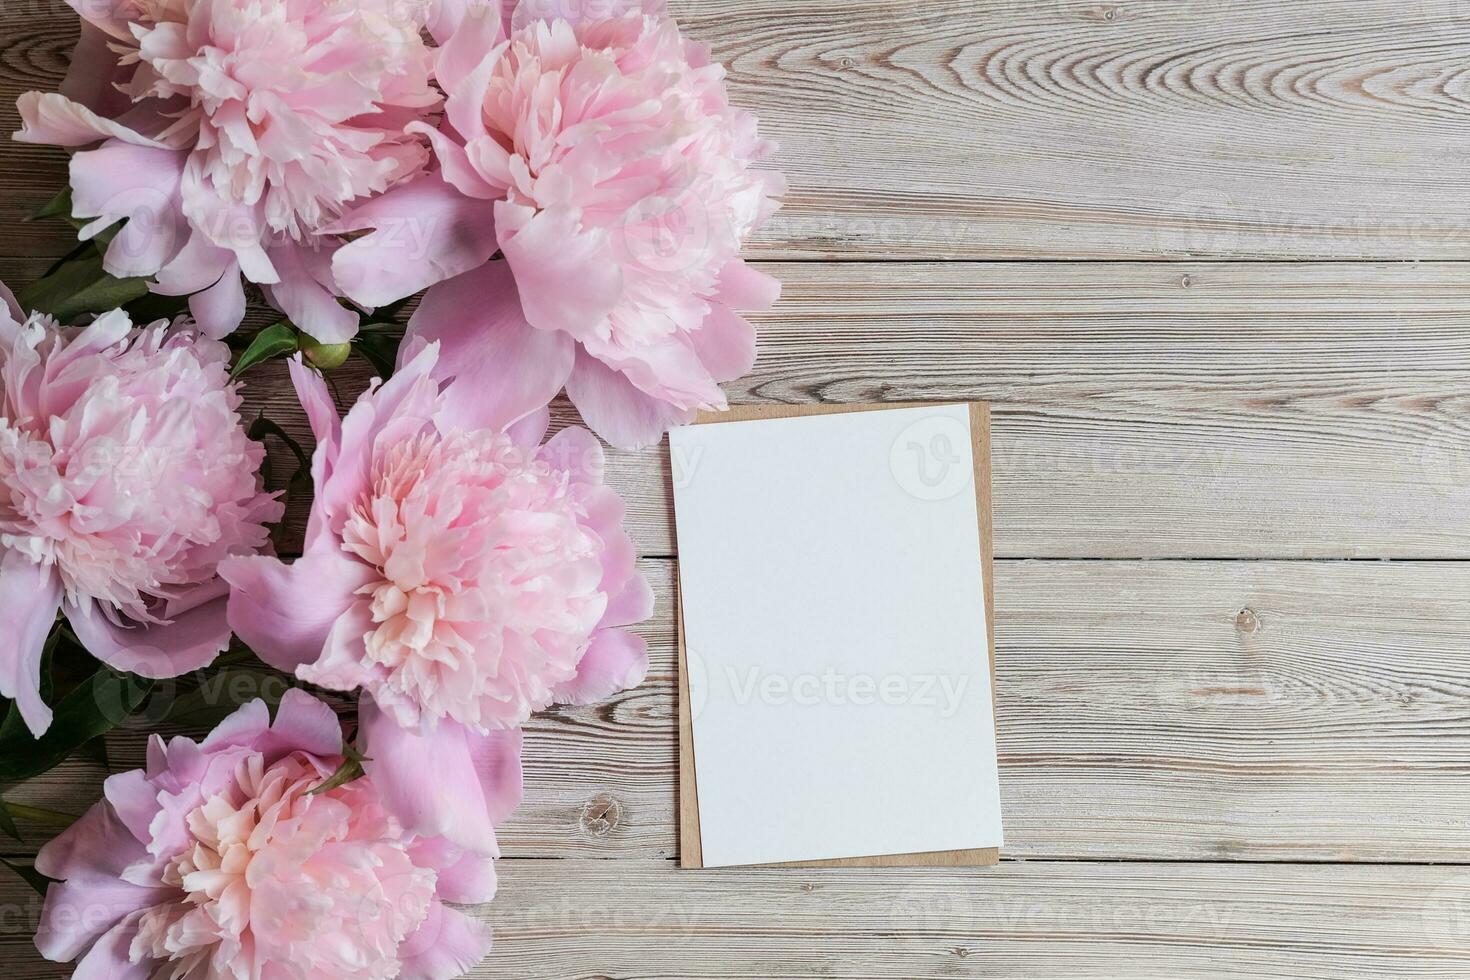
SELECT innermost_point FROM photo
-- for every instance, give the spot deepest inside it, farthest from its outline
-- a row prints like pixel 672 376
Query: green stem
pixel 40 815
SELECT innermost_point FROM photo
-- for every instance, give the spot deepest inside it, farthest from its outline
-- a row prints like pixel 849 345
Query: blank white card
pixel 833 597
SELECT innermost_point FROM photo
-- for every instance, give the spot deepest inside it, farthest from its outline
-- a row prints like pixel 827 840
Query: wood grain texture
pixel 1228 711
pixel 1192 410
pixel 1026 129
pixel 560 920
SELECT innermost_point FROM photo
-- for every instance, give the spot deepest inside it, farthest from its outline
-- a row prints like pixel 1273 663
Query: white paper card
pixel 834 613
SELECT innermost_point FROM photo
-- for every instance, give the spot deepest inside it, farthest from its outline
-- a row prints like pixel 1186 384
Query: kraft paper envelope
pixel 692 850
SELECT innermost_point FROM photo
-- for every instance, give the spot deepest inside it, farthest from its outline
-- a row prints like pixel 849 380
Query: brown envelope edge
pixel 691 853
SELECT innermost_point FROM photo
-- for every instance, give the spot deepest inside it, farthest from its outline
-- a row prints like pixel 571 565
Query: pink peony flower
pixel 220 859
pixel 602 159
pixel 125 478
pixel 231 131
pixel 460 578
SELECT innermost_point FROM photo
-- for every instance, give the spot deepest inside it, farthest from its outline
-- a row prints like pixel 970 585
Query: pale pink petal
pixel 579 11
pixel 497 758
pixel 529 431
pixel 12 309
pixel 633 604
pixel 109 958
pixel 725 344
pixel 227 224
pixel 503 368
pixel 741 286
pixel 455 167
pixel 284 612
pixel 616 410
pixel 303 294
pixel 470 880
pixel 428 779
pixel 53 119
pixel 564 275
pixel 302 724
pixel 448 945
pixel 616 661
pixel 427 231
pixel 476 37
pixel 97 845
pixel 77 912
pixel 190 641
pixel 141 184
pixel 219 310
pixel 198 265
pixel 30 594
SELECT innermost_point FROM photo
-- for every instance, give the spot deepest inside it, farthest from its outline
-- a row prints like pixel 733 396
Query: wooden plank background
pixel 1232 488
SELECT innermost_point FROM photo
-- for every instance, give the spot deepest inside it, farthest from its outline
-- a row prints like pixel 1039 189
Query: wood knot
pixel 960 951
pixel 808 887
pixel 601 815
pixel 1185 281
pixel 1246 620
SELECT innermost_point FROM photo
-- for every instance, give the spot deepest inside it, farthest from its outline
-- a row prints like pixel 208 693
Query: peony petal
pixel 447 945
pixel 455 167
pixel 302 724
pixel 98 845
pixel 53 119
pixel 743 287
pixel 470 880
pixel 120 181
pixel 725 344
pixel 285 612
pixel 426 232
pixel 577 11
pixel 303 294
pixel 497 759
pixel 199 265
pixel 77 912
pixel 613 408
pixel 564 275
pixel 633 604
pixel 616 661
pixel 529 431
pixel 504 369
pixel 479 32
pixel 428 779
pixel 11 308
pixel 219 310
pixel 109 958
pixel 193 637
pixel 30 594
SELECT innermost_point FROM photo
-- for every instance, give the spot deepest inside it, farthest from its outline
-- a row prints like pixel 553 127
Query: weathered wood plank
pixel 555 920
pixel 1254 711
pixel 1018 129
pixel 1140 410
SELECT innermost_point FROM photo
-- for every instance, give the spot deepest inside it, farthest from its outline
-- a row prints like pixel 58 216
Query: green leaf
pixel 380 350
pixel 156 306
pixel 95 707
pixel 7 822
pixel 78 287
pixel 58 207
pixel 263 427
pixel 220 694
pixel 32 877
pixel 349 771
pixel 277 340
pixel 95 752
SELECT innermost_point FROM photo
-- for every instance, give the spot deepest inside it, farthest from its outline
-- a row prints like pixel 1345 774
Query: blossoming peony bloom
pixel 220 860
pixel 459 576
pixel 231 131
pixel 125 477
pixel 602 159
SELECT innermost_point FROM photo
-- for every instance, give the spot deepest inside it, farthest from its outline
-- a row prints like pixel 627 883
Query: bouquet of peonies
pixel 569 188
